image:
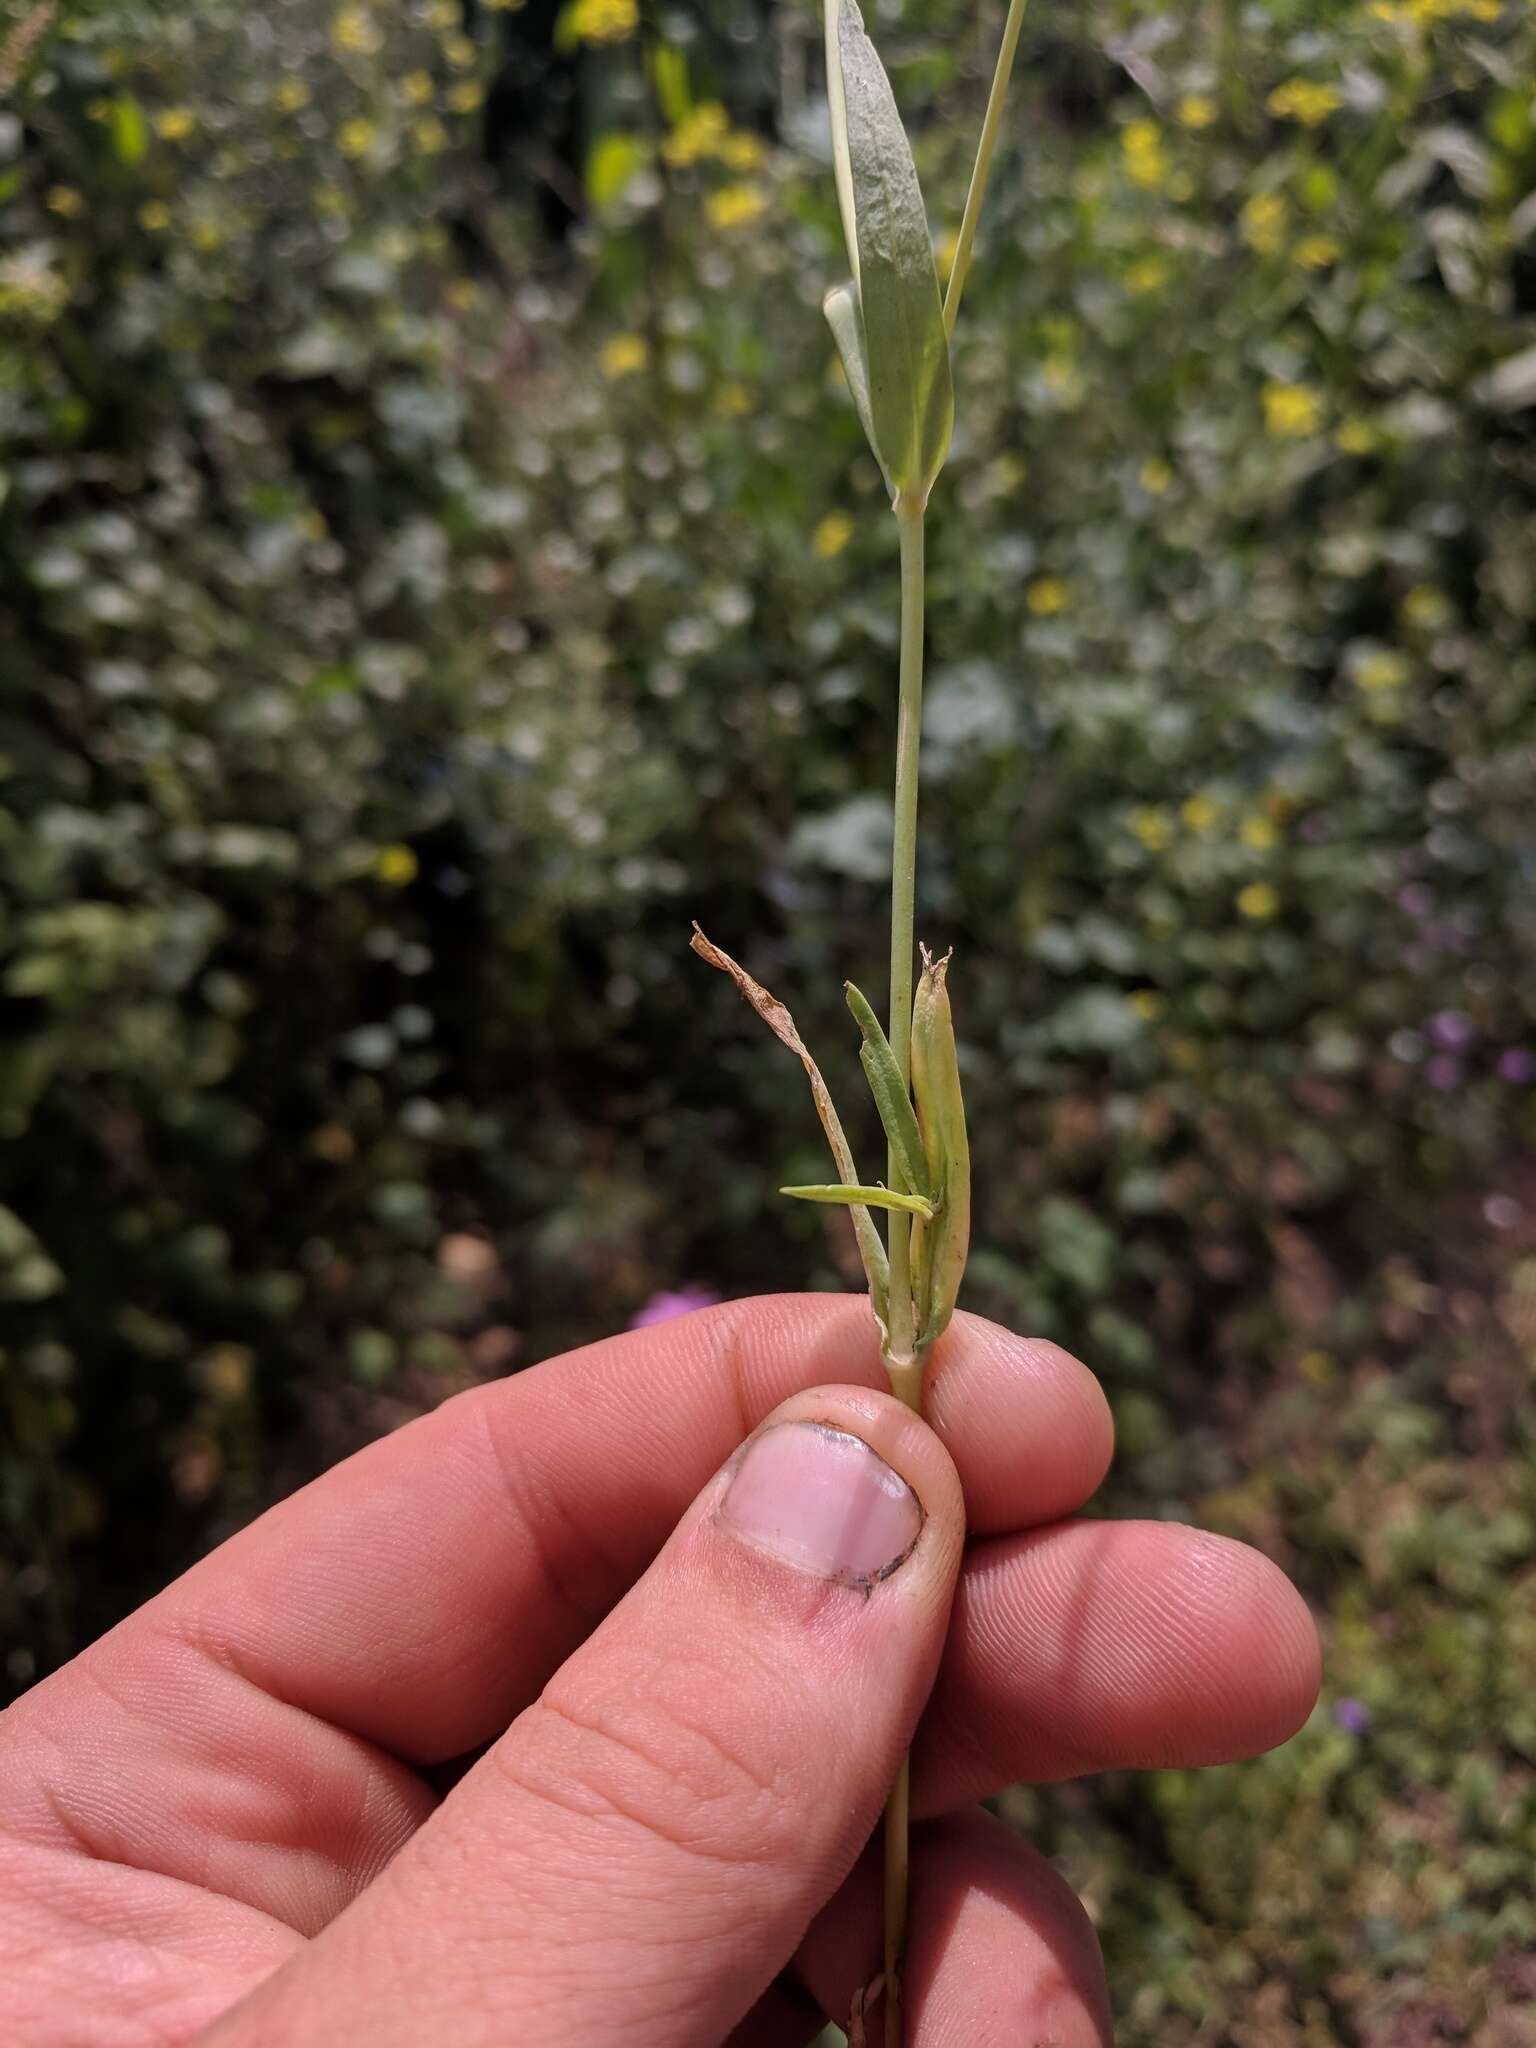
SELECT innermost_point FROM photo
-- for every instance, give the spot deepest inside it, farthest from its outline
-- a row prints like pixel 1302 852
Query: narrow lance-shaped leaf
pixel 841 306
pixel 911 396
pixel 842 170
pixel 891 1097
pixel 941 1112
pixel 782 1025
pixel 874 1198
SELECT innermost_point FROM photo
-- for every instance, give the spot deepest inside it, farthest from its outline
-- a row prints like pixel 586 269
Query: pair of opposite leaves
pixel 888 322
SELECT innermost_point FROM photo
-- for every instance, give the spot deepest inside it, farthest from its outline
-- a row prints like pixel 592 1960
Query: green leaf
pixel 842 168
pixel 871 1198
pixel 911 396
pixel 939 1260
pixel 841 306
pixel 891 1097
pixel 612 161
pixel 669 74
pixel 130 131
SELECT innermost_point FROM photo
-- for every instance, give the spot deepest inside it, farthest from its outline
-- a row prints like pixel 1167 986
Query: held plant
pixel 892 328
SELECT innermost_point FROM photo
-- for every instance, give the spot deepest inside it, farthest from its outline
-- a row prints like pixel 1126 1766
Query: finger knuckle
pixel 659 1767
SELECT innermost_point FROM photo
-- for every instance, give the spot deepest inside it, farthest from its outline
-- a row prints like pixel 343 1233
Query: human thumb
pixel 640 1853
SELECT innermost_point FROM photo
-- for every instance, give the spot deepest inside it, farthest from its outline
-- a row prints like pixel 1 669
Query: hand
pixel 692 1671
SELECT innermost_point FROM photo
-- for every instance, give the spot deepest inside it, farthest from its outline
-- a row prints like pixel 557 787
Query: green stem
pixel 897 1835
pixel 990 128
pixel 909 722
pixel 905 1369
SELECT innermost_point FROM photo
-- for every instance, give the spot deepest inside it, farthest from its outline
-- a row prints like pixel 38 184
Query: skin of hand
pixel 566 1714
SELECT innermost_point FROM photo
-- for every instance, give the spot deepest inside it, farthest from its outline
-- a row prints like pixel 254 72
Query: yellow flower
pixel 155 215
pixel 1356 437
pixel 459 51
pixel 1145 164
pixel 602 21
pixel 356 137
pixel 741 152
pixel 1062 377
pixel 832 535
pixel 395 866
pixel 1316 252
pixel 416 88
pixel 442 14
pixel 703 131
pixel 466 96
pixel 1046 596
pixel 226 1371
pixel 1258 901
pixel 1425 13
pixel 1152 827
pixel 463 294
pixel 623 355
pixel 1258 834
pixel 1156 477
pixel 1427 607
pixel 429 135
pixel 1381 670
pixel 1291 411
pixel 292 95
pixel 1303 100
pixel 355 29
pixel 65 201
pixel 174 124
pixel 1147 1004
pixel 734 205
pixel 1317 1368
pixel 206 235
pixel 1146 274
pixel 1263 222
pixel 1197 110
pixel 1200 813
pixel 733 401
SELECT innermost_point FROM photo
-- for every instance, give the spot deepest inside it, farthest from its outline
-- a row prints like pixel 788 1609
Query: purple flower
pixel 1415 899
pixel 1517 1065
pixel 1353 1716
pixel 670 1302
pixel 1444 1073
pixel 1451 1029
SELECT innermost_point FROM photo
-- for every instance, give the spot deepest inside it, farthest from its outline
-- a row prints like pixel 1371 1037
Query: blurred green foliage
pixel 407 625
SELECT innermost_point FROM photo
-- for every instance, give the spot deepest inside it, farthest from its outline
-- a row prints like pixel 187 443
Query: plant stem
pixel 909 721
pixel 897 1819
pixel 990 127
pixel 905 1369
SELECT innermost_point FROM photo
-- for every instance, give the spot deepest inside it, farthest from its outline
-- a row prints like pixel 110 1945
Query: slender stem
pixel 897 1835
pixel 990 127
pixel 905 1370
pixel 909 721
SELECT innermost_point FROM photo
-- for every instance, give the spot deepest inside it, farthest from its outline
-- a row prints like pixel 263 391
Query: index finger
pixel 421 1593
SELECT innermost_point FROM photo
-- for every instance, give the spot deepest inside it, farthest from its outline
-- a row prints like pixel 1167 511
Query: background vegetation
pixel 437 561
